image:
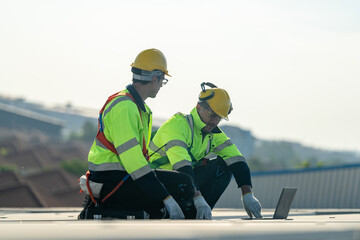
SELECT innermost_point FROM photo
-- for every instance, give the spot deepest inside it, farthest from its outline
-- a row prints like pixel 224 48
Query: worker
pixel 185 143
pixel 119 175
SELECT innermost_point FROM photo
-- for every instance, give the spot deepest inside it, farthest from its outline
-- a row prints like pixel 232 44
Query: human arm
pixel 242 176
pixel 237 165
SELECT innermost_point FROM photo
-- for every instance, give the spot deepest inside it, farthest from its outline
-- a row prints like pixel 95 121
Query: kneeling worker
pixel 119 176
pixel 184 142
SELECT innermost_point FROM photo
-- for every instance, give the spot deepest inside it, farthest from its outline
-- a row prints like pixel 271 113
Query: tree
pixel 8 168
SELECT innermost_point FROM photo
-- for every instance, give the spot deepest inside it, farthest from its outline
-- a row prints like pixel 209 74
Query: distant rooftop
pixel 30 114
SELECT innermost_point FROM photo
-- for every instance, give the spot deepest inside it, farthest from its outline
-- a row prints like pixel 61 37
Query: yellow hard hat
pixel 217 98
pixel 151 59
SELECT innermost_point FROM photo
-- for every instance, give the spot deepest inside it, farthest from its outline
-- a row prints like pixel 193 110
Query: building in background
pixel 18 119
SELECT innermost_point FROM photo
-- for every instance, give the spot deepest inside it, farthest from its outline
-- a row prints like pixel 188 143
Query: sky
pixel 291 68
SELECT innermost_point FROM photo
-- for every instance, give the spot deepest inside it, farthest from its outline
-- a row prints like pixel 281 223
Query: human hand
pixel 203 210
pixel 251 205
pixel 173 208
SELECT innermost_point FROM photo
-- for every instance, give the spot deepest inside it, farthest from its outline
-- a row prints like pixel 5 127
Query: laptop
pixel 283 206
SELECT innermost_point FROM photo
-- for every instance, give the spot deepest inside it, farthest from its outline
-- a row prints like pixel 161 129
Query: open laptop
pixel 283 206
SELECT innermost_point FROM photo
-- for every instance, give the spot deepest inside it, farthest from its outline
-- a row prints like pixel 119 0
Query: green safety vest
pixel 179 142
pixel 125 129
pixel 156 163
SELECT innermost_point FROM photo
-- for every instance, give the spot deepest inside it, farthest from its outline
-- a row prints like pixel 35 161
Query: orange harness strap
pixel 109 194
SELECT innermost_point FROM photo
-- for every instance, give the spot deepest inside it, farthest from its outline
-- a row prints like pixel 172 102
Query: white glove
pixel 251 205
pixel 94 186
pixel 173 208
pixel 203 210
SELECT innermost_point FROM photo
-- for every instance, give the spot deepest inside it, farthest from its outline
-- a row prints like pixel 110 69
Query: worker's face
pixel 157 83
pixel 210 118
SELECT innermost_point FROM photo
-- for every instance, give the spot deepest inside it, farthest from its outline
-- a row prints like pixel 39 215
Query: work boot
pixel 87 204
pixel 159 214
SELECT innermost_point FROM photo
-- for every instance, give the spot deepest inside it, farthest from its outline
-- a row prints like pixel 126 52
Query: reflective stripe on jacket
pixel 177 142
pixel 124 129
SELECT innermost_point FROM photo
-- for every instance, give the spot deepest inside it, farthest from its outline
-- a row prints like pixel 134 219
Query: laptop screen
pixel 284 204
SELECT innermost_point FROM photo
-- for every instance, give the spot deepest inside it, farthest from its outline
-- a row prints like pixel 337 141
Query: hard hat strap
pixel 142 78
pixel 147 76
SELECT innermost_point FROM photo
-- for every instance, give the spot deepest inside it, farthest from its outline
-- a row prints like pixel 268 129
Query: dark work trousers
pixel 212 179
pixel 128 196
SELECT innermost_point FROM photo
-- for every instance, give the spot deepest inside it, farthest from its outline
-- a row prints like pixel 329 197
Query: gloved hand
pixel 203 210
pixel 173 208
pixel 251 205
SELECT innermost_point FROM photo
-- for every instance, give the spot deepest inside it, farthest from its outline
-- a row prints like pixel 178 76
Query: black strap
pixel 207 84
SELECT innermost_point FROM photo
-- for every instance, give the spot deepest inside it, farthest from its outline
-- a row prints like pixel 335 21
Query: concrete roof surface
pixel 62 223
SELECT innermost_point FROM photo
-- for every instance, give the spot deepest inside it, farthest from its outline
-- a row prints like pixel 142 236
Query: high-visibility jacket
pixel 179 142
pixel 125 129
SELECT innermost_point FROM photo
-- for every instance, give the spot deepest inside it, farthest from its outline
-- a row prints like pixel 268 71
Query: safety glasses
pixel 164 81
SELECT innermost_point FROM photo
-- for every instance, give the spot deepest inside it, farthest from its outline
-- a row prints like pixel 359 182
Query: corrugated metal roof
pixel 303 170
pixel 327 187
